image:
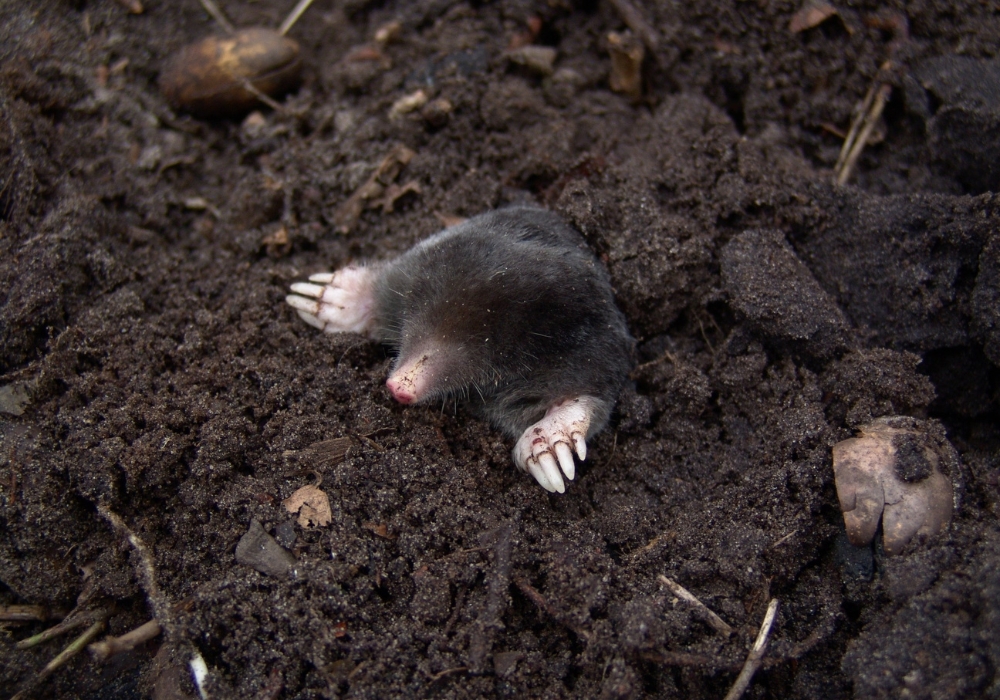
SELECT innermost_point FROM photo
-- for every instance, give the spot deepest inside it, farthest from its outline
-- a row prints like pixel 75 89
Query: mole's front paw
pixel 547 446
pixel 336 302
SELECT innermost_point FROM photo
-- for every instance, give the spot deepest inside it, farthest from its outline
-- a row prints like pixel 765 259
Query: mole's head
pixel 457 354
pixel 428 367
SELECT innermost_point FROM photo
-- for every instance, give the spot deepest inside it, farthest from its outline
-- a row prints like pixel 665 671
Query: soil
pixel 150 369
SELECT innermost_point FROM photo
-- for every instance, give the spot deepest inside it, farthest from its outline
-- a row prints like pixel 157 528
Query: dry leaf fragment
pixel 312 505
pixel 387 171
pixel 327 453
pixel 379 529
pixel 392 193
pixel 278 244
pixel 812 14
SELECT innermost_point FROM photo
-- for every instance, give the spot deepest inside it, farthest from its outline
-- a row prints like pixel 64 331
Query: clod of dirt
pixel 224 76
pixel 986 301
pixel 312 504
pixel 901 267
pixel 893 473
pixel 258 549
pixel 778 295
pixel 962 111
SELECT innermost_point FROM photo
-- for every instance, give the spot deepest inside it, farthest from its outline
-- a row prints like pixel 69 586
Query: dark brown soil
pixel 142 311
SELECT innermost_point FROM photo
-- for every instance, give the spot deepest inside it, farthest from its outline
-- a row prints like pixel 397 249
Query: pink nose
pixel 402 391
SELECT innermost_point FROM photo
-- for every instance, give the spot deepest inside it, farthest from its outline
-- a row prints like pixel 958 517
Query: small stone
pixel 258 550
pixel 537 59
pixel 895 473
pixel 285 534
pixel 388 33
pixel 407 104
pixel 437 112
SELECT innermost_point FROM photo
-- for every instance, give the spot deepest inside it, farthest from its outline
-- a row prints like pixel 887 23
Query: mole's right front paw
pixel 336 302
pixel 547 447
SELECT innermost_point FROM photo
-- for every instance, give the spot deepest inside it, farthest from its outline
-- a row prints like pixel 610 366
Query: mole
pixel 509 311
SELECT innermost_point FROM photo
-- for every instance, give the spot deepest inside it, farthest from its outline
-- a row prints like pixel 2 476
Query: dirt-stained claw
pixel 551 469
pixel 535 469
pixel 322 277
pixel 566 463
pixel 895 472
pixel 308 289
pixel 303 305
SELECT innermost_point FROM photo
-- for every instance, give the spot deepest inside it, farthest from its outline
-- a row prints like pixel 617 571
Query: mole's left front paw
pixel 548 445
pixel 336 302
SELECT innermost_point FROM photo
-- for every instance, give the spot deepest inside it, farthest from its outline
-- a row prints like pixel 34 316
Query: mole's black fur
pixel 520 310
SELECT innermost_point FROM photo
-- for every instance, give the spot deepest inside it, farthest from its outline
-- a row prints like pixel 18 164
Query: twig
pixel 683 658
pixel 864 122
pixel 109 646
pixel 146 572
pixel 28 613
pixel 68 624
pixel 294 15
pixel 784 539
pixel 666 355
pixel 252 89
pixel 75 647
pixel 756 655
pixel 539 600
pixel 213 9
pixel 447 672
pixel 633 18
pixel 717 623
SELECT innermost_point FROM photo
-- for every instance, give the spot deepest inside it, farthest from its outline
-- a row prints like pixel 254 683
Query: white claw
pixel 581 446
pixel 566 462
pixel 303 304
pixel 311 320
pixel 551 469
pixel 322 277
pixel 308 290
pixel 535 469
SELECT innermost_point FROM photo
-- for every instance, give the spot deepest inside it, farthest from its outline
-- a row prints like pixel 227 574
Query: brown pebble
pixel 437 112
pixel 217 76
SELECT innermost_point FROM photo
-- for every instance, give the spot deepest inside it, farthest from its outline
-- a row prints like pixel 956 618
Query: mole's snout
pixel 412 379
pixel 400 391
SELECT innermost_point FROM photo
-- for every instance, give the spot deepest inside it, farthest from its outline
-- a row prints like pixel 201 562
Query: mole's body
pixel 509 310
